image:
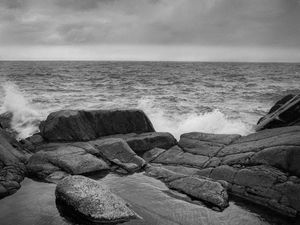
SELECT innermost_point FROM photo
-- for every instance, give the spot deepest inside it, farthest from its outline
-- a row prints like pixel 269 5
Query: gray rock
pixel 92 200
pixel 152 154
pixel 198 187
pixel 76 125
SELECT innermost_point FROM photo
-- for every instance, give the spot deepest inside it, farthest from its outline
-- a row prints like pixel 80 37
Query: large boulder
pixel 12 160
pixel 92 201
pixel 79 125
pixel 290 117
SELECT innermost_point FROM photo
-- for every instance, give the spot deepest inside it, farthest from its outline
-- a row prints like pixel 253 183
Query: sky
pixel 179 30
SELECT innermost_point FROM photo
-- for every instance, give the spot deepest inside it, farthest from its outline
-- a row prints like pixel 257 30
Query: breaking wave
pixel 25 118
pixel 209 122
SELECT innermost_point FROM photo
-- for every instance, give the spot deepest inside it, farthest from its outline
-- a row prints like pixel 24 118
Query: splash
pixel 210 122
pixel 25 118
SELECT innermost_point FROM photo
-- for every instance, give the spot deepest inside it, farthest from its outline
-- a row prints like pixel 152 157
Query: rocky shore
pixel 263 167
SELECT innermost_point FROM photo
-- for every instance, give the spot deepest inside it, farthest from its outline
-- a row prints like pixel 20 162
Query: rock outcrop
pixel 262 167
pixel 79 125
pixel 12 168
pixel 290 117
pixel 198 187
pixel 92 201
pixel 84 157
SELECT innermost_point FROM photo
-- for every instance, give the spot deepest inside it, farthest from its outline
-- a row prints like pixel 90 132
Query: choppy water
pixel 147 196
pixel 178 97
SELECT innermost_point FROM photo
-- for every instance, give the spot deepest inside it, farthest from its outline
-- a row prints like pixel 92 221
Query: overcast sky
pixel 204 30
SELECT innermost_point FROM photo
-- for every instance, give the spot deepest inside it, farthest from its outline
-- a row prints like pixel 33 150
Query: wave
pixel 25 118
pixel 209 122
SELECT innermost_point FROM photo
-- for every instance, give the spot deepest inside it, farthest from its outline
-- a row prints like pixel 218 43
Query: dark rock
pixel 92 200
pixel 12 169
pixel 72 125
pixel 291 117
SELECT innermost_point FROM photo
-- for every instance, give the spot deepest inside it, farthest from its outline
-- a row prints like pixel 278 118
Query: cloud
pixel 257 23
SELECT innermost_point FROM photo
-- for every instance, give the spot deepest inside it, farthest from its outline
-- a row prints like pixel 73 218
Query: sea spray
pixel 208 122
pixel 25 118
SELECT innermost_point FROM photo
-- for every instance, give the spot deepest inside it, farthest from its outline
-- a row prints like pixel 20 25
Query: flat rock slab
pixel 79 125
pixel 141 143
pixel 92 200
pixel 83 157
pixel 205 144
pixel 176 156
pixel 201 188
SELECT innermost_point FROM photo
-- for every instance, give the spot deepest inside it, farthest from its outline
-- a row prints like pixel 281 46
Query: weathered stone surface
pixel 70 159
pixel 205 144
pixel 176 156
pixel 76 125
pixel 152 154
pixel 259 175
pixel 141 143
pixel 92 200
pixel 83 157
pixel 119 152
pixel 198 187
pixel 263 139
pixel 291 117
pixel 226 173
pixel 12 160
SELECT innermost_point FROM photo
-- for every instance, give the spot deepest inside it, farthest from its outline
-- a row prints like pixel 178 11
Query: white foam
pixel 25 117
pixel 210 122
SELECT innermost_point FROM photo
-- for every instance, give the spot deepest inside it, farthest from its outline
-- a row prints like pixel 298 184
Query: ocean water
pixel 178 97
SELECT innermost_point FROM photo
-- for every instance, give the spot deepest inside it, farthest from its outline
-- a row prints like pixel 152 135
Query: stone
pixel 198 187
pixel 290 117
pixel 152 154
pixel 79 125
pixel 118 151
pixel 12 168
pixel 224 172
pixel 92 200
pixel 205 144
pixel 176 156
pixel 263 139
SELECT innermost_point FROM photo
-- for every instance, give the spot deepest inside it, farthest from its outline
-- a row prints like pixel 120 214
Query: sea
pixel 178 97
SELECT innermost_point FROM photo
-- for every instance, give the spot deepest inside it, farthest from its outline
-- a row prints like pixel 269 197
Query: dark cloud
pixel 258 23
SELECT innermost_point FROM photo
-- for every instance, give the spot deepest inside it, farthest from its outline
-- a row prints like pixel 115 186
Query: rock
pixel 77 125
pixel 152 154
pixel 118 151
pixel 176 156
pixel 141 143
pixel 92 200
pixel 83 157
pixel 262 140
pixel 291 117
pixel 205 144
pixel 12 168
pixel 198 187
pixel 262 167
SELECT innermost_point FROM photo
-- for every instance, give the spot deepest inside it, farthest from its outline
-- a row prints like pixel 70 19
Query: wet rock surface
pixel 92 200
pixel 262 167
